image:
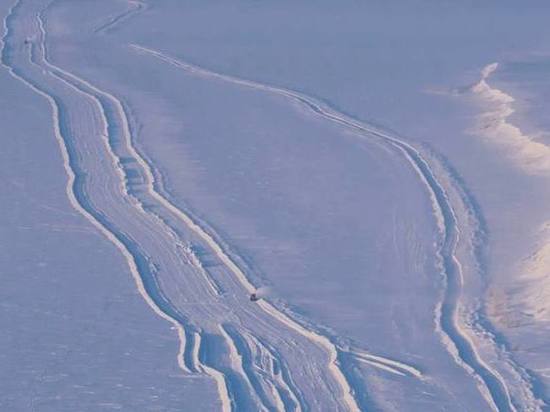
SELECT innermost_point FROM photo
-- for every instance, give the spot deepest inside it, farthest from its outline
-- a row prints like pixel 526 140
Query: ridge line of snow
pixel 531 155
pixel 313 336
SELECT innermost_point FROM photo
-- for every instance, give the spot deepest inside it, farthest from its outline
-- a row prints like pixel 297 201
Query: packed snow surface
pixel 282 206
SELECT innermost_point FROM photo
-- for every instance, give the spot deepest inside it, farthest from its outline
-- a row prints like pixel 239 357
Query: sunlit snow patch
pixel 529 154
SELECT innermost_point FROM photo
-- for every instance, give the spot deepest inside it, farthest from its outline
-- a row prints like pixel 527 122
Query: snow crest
pixel 494 124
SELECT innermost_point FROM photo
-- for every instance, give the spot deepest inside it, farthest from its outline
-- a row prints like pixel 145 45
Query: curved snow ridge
pixel 219 377
pixel 77 84
pixel 273 312
pixel 140 267
pixel 98 97
pixel 492 386
pixel 531 155
pixel 77 198
pixel 190 256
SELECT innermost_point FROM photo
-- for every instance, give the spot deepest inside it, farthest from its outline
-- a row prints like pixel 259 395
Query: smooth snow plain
pixel 378 173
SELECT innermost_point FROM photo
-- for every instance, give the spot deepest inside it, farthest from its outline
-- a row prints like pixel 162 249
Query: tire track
pixel 87 132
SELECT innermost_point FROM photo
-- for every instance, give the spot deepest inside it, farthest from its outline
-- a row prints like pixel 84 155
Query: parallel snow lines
pixel 191 354
pixel 313 336
pixel 137 261
pixel 136 6
pixel 492 386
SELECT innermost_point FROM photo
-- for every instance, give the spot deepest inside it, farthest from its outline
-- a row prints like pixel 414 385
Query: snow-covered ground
pixel 377 173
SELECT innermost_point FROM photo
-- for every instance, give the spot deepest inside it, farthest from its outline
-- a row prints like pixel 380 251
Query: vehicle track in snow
pixel 112 186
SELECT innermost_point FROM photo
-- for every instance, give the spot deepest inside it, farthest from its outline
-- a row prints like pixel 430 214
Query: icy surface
pixel 377 174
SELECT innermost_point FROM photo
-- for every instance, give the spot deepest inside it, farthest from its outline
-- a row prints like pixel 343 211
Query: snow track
pixel 157 240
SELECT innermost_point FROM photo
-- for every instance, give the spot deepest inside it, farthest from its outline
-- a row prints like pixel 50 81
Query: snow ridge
pixel 78 200
pixel 321 340
pixel 531 155
pixel 146 239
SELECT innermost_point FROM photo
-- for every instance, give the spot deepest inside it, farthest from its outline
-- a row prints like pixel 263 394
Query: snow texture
pixel 164 161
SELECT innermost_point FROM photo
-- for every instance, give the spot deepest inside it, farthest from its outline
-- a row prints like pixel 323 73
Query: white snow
pixel 164 160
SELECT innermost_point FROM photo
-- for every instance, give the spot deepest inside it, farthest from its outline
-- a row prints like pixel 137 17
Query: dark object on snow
pixel 254 297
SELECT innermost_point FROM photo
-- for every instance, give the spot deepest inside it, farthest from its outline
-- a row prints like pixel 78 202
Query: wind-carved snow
pixel 533 157
pixel 526 302
pixel 529 154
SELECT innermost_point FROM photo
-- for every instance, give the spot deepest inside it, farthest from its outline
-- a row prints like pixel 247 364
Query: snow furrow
pixel 93 132
pixel 109 123
pixel 104 100
pixel 138 263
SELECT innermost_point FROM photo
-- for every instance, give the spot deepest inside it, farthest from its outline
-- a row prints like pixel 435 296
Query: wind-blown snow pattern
pixel 531 155
pixel 258 355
